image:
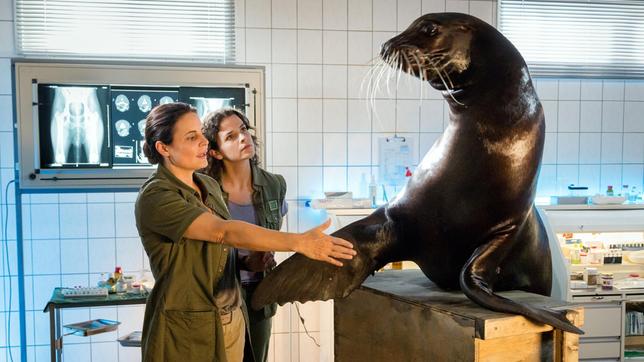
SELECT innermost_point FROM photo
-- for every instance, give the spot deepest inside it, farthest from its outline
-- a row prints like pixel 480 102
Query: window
pixel 129 29
pixel 579 38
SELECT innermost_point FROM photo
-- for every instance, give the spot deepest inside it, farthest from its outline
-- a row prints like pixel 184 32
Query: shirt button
pixel 225 249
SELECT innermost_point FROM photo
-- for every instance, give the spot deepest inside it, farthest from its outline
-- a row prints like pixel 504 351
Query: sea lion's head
pixel 442 48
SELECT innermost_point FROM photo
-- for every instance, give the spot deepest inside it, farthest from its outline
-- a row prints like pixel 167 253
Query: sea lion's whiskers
pixel 449 91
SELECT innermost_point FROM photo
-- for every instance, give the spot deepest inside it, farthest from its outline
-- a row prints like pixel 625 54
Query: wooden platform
pixel 402 316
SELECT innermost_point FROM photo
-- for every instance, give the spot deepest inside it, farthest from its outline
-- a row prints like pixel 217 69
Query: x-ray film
pixel 128 123
pixel 73 126
pixel 207 100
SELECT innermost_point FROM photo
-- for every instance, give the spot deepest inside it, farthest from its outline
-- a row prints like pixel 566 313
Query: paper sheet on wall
pixel 395 156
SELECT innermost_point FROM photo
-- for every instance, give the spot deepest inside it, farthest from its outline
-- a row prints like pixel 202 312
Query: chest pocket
pixel 272 215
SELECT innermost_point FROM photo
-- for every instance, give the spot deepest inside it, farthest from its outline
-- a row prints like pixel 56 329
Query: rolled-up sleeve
pixel 165 212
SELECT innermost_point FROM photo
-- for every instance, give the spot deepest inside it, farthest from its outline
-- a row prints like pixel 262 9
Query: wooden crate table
pixel 400 315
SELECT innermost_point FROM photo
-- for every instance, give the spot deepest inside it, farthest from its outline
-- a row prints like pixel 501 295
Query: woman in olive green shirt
pixel 181 218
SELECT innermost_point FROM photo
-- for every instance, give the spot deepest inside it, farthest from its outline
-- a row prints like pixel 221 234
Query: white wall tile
pixel 44 221
pixel 611 148
pixel 550 148
pixel 358 181
pixel 569 89
pixel 612 116
pixel 258 46
pixel 634 117
pixel 46 256
pixel 566 175
pixel 285 149
pixel 309 46
pixel 309 81
pixel 129 254
pixel 74 256
pixel 334 14
pixel 309 149
pixel 591 116
pixel 268 73
pixel 43 286
pixel 484 10
pixel 632 175
pixel 591 89
pixel 384 116
pixel 309 113
pixel 73 221
pixel 407 116
pixel 634 90
pixel 335 179
pixel 284 80
pixel 589 148
pixel 100 197
pixel 240 45
pixel 100 220
pixel 73 198
pixel 121 197
pixel 102 255
pixel 6 10
pixel 359 147
pixel 5 76
pixel 360 47
pixel 284 115
pixel 613 90
pixel 240 13
pixel 589 175
pixel 284 13
pixel 334 81
pixel 359 14
pixel 335 149
pixel 6 150
pixel 334 115
pixel 547 89
pixel 567 148
pixel 568 116
pixel 431 116
pixel 334 47
pixel 6 114
pixel 359 116
pixel 408 11
pixel 379 38
pixel 6 39
pixel 310 183
pixel 610 175
pixel 284 46
pixel 433 6
pixel 457 6
pixel 633 148
pixel 309 14
pixel 357 82
pixel 125 221
pixel 547 183
pixel 258 13
pixel 408 87
pixel 290 175
pixel 383 19
pixel 550 112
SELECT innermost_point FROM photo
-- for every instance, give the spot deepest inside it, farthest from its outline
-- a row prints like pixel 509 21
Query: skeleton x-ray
pixel 72 126
pixel 206 105
pixel 207 100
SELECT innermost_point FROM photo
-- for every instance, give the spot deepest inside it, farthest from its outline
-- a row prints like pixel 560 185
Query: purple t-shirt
pixel 247 213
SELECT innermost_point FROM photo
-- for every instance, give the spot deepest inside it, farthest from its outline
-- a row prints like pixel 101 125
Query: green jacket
pixel 181 321
pixel 269 193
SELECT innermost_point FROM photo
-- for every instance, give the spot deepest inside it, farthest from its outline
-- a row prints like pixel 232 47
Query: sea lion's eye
pixel 430 29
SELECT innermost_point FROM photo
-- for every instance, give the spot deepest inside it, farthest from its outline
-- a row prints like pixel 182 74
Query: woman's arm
pixel 313 243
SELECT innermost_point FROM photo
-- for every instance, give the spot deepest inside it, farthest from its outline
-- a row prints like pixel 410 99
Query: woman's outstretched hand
pixel 315 244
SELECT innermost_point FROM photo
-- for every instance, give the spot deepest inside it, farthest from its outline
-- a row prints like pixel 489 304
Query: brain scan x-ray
pixel 121 103
pixel 128 141
pixel 72 122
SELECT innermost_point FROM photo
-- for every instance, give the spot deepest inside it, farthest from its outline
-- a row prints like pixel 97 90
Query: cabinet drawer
pixel 597 298
pixel 599 350
pixel 602 320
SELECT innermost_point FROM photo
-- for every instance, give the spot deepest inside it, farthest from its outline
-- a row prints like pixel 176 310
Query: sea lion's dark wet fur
pixel 467 215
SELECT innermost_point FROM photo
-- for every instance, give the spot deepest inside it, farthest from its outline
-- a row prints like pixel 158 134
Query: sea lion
pixel 467 215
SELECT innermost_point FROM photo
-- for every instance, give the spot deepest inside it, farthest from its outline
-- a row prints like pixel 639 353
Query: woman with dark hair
pixel 254 195
pixel 184 225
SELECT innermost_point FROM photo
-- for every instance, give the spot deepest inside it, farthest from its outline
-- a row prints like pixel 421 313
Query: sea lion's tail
pixel 301 279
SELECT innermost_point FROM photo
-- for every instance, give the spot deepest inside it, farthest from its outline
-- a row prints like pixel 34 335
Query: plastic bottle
pixel 118 273
pixel 373 191
pixel 625 192
pixel 609 190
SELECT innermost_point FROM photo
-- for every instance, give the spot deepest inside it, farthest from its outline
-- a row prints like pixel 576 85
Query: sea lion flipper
pixel 301 279
pixel 477 278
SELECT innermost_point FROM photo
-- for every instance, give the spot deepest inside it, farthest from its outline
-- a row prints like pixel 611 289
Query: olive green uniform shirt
pixel 181 320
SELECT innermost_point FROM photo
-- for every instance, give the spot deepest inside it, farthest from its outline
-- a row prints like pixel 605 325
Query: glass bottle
pixel 609 190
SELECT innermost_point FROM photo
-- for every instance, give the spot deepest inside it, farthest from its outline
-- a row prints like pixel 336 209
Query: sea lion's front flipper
pixel 477 280
pixel 301 279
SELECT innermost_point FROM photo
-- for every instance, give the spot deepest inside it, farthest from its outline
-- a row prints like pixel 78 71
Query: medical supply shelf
pixel 58 302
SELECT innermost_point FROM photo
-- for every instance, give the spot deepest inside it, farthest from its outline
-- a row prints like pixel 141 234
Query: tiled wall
pixel 320 136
